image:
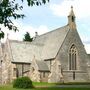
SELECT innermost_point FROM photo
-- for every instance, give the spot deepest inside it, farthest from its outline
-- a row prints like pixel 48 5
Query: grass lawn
pixel 9 87
pixel 40 84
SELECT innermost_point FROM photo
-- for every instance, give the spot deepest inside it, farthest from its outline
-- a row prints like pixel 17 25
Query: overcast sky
pixel 54 15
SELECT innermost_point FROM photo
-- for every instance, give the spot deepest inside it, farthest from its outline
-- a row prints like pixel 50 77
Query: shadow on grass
pixel 62 86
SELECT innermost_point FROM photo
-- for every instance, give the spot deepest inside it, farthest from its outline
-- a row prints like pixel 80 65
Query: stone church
pixel 56 56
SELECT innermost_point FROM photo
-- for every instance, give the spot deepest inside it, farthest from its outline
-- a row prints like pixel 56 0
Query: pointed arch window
pixel 73 58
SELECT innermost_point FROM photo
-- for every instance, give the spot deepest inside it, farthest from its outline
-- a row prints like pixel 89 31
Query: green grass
pixel 9 87
pixel 43 84
pixel 48 86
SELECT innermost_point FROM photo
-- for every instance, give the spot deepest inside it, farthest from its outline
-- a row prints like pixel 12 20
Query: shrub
pixel 22 82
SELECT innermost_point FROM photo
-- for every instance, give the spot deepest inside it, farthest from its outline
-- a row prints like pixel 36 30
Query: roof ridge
pixel 18 41
pixel 52 31
pixel 59 33
pixel 24 42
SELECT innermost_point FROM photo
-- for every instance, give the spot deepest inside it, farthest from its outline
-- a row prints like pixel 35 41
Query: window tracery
pixel 72 58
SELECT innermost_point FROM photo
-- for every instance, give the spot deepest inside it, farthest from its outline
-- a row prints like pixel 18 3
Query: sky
pixel 53 15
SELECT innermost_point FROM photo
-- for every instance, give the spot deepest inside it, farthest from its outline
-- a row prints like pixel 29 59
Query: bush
pixel 22 82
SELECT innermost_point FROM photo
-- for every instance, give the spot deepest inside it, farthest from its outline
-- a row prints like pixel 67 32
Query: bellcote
pixel 71 19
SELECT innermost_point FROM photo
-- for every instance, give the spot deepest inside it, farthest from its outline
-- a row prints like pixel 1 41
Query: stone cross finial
pixel 71 19
pixel 71 7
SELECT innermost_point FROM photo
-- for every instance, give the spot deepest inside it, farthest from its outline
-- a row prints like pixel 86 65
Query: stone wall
pixel 7 66
pixel 63 57
pixel 75 76
pixel 44 76
pixel 55 75
pixel 34 75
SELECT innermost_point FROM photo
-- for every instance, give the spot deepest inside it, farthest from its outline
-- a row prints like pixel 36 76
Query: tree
pixel 27 37
pixel 36 2
pixel 8 11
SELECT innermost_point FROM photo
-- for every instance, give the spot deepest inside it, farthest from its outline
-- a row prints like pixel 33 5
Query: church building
pixel 56 56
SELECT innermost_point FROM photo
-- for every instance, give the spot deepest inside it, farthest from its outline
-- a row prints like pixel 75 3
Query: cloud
pixel 87 47
pixel 81 8
pixel 85 39
pixel 22 30
pixel 84 31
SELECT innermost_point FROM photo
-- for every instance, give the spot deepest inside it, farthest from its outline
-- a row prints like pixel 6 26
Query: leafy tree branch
pixel 8 11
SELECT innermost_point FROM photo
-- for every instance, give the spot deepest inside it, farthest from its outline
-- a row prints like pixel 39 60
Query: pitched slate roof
pixel 52 42
pixel 23 52
pixel 42 66
pixel 89 56
pixel 45 46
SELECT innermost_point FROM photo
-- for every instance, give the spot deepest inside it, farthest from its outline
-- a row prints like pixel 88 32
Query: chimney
pixel 36 34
